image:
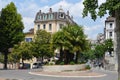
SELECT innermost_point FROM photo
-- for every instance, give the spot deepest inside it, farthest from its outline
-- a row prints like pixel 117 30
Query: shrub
pixel 51 63
pixel 62 63
pixel 72 63
pixel 87 67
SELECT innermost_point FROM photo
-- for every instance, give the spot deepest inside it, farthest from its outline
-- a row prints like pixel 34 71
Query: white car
pixel 37 65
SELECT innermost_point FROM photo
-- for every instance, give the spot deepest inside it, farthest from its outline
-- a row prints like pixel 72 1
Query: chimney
pixel 68 13
pixel 40 11
pixel 50 10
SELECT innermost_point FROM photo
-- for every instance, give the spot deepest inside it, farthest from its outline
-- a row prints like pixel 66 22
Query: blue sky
pixel 29 8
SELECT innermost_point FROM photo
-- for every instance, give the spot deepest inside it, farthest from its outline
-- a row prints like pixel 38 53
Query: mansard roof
pixel 110 19
pixel 52 16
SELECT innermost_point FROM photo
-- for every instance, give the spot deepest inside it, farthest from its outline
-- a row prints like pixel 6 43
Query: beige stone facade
pixel 52 21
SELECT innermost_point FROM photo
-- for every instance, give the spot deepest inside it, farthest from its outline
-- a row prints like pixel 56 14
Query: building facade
pixel 100 38
pixel 109 32
pixel 109 28
pixel 52 21
pixel 29 35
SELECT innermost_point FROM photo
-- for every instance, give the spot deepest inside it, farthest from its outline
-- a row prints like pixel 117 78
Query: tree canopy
pixel 42 44
pixel 11 29
pixel 70 39
pixel 91 6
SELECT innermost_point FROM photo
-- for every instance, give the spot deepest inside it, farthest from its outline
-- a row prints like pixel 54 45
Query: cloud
pixel 92 30
pixel 75 9
pixel 44 1
pixel 28 23
pixel 29 8
pixel 3 3
pixel 101 1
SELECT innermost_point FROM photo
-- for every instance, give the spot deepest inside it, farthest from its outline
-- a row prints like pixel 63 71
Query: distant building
pixel 93 43
pixel 100 38
pixel 109 32
pixel 109 28
pixel 29 35
pixel 52 21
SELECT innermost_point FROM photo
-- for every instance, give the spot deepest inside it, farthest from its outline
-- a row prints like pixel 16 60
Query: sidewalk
pixel 89 73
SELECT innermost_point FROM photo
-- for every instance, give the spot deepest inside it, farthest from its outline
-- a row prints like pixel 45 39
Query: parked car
pixel 26 66
pixel 37 65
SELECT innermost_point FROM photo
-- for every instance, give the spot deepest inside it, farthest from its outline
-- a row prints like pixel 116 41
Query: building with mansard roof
pixel 52 21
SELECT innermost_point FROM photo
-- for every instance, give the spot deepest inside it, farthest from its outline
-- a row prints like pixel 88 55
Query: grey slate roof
pixel 110 19
pixel 51 16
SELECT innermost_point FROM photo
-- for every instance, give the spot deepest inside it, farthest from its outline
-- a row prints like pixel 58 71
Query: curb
pixel 32 73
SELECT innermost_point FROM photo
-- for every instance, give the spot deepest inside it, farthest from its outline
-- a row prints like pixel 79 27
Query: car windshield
pixel 35 64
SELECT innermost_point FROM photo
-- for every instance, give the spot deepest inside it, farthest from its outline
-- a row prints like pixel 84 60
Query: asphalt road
pixel 24 75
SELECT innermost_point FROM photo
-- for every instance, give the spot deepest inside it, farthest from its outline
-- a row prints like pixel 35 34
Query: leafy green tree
pixel 87 55
pixel 71 39
pixel 100 51
pixel 76 38
pixel 109 46
pixel 59 42
pixel 11 30
pixel 22 51
pixel 42 44
pixel 113 7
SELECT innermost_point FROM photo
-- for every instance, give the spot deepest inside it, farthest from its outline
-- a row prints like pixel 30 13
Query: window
pixel 50 16
pixel 38 27
pixel 50 27
pixel 28 39
pixel 61 15
pixel 38 17
pixel 45 17
pixel 110 34
pixel 60 26
pixel 44 26
pixel 110 25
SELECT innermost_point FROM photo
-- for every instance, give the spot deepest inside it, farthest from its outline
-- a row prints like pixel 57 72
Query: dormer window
pixel 61 15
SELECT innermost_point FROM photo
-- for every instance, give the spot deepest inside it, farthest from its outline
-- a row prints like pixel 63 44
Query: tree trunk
pixel 61 55
pixel 23 63
pixel 76 59
pixel 5 59
pixel 42 58
pixel 117 30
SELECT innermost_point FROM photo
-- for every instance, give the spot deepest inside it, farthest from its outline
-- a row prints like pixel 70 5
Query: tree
pixel 70 39
pixel 58 41
pixel 11 30
pixel 42 44
pixel 100 51
pixel 22 51
pixel 113 7
pixel 109 46
pixel 76 38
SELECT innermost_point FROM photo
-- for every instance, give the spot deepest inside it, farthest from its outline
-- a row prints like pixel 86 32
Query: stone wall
pixel 60 68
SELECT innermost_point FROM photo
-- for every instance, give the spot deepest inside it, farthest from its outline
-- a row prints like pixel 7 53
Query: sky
pixel 29 8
